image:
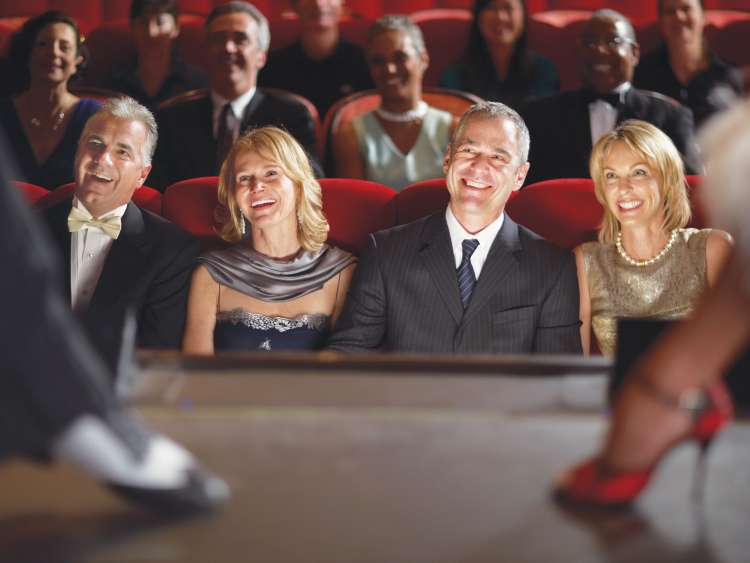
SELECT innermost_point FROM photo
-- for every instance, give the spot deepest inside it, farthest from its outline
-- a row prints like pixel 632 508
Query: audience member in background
pixel 118 257
pixel 56 401
pixel 675 392
pixel 280 286
pixel 684 68
pixel 158 72
pixel 320 65
pixel 404 140
pixel 197 135
pixel 45 119
pixel 646 263
pixel 467 279
pixel 565 127
pixel 497 64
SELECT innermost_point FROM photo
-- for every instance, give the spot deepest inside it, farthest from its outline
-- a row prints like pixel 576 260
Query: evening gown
pixel 668 289
pixel 251 273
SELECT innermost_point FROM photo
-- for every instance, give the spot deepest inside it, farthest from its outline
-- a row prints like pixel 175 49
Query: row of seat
pixel 564 212
pixel 92 13
pixel 553 33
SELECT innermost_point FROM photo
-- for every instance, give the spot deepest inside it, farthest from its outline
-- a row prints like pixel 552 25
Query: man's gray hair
pixel 496 110
pixel 127 108
pixel 609 14
pixel 398 22
pixel 264 32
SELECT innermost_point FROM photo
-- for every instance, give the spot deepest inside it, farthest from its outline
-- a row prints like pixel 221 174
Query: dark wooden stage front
pixel 398 461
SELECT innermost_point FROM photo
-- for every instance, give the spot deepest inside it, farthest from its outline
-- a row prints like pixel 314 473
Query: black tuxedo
pixel 404 295
pixel 187 147
pixel 147 270
pixel 560 131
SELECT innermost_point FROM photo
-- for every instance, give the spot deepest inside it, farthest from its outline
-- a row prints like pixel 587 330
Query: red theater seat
pixel 356 208
pixel 193 205
pixel 446 33
pixel 699 219
pixel 144 197
pixel 555 35
pixel 420 199
pixel 565 212
pixel 31 192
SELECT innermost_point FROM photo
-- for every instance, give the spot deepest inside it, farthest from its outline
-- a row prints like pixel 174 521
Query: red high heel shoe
pixel 594 484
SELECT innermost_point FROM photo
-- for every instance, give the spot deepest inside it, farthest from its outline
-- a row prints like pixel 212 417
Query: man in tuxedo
pixel 565 126
pixel 118 257
pixel 196 135
pixel 469 279
pixel 56 401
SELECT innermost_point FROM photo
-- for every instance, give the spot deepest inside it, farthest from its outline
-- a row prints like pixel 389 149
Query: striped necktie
pixel 466 278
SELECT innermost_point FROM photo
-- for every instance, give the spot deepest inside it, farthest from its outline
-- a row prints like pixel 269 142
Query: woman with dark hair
pixel 45 119
pixel 684 67
pixel 497 64
pixel 158 72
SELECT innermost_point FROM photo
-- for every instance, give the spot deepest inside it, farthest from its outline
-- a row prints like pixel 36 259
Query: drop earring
pixel 243 228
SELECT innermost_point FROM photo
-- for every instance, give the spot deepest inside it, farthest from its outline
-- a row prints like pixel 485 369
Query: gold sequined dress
pixel 666 289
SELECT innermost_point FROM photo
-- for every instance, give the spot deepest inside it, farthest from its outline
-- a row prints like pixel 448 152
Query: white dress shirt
pixel 89 248
pixel 485 237
pixel 603 116
pixel 238 106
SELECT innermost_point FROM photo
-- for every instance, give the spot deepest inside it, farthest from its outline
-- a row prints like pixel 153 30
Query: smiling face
pixel 318 14
pixel 608 54
pixel 483 168
pixel 265 195
pixel 235 54
pixel 54 54
pixel 501 22
pixel 631 188
pixel 154 31
pixel 395 65
pixel 681 21
pixel 109 162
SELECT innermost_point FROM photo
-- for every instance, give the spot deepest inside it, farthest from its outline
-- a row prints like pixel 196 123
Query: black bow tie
pixel 612 98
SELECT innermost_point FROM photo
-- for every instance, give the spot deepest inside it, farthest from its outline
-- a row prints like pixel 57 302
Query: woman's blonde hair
pixel 280 147
pixel 656 150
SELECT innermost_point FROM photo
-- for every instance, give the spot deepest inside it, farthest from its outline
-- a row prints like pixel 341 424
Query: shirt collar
pixel 238 104
pixel 458 234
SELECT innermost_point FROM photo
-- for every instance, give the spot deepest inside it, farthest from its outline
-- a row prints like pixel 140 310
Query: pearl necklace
pixel 56 120
pixel 643 263
pixel 411 115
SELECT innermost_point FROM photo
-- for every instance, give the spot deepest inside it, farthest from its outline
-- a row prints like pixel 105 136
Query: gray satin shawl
pixel 268 279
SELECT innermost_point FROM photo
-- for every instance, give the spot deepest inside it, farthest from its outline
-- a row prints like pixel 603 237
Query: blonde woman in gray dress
pixel 646 264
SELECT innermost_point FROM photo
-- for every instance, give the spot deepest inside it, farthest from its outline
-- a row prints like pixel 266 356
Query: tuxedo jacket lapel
pixel 501 261
pixel 436 255
pixel 250 109
pixel 57 221
pixel 116 275
pixel 578 123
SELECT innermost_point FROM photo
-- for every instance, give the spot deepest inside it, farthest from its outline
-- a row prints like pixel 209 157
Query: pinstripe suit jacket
pixel 404 295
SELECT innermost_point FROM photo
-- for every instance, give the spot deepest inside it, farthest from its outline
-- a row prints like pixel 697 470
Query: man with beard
pixel 118 257
pixel 198 133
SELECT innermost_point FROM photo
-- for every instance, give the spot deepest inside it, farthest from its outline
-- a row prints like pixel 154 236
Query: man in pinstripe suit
pixel 467 280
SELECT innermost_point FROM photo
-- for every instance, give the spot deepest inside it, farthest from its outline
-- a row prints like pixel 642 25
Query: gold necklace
pixel 56 120
pixel 643 263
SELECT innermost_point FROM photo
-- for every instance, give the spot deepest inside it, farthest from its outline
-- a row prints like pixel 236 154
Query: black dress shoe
pixel 202 492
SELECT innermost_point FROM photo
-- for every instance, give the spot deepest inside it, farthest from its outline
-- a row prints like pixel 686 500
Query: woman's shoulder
pixel 86 107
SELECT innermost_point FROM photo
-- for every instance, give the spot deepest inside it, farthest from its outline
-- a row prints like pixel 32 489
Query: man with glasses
pixel 196 135
pixel 565 127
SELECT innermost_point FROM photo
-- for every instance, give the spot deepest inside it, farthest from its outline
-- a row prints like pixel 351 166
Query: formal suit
pixel 187 147
pixel 147 270
pixel 404 295
pixel 560 131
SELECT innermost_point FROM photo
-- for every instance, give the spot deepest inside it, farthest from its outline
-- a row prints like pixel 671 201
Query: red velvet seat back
pixel 144 197
pixel 699 219
pixel 356 208
pixel 31 192
pixel 192 204
pixel 437 25
pixel 420 199
pixel 565 212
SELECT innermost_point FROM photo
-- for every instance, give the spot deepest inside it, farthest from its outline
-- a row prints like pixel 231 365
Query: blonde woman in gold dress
pixel 646 263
